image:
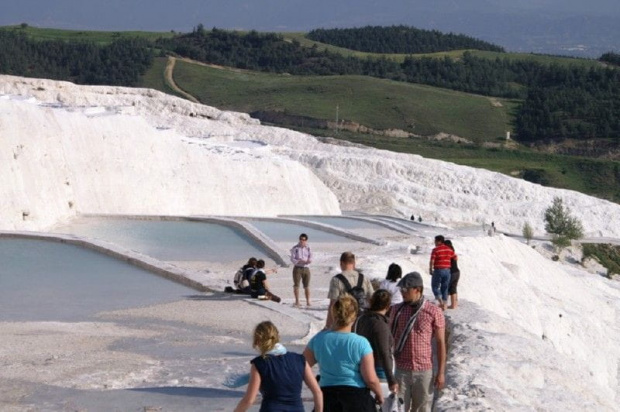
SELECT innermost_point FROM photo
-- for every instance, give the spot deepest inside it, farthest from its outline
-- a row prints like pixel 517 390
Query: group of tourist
pixel 370 336
pixel 251 279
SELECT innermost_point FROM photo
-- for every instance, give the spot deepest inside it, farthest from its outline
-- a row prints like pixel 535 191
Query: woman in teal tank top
pixel 346 363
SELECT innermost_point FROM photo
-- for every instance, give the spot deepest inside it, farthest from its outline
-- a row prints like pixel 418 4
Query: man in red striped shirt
pixel 441 257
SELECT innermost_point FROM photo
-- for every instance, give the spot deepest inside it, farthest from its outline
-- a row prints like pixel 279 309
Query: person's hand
pixel 440 381
pixel 393 388
pixel 379 398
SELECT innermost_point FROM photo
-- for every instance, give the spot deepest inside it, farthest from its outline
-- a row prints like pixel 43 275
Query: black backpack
pixel 356 291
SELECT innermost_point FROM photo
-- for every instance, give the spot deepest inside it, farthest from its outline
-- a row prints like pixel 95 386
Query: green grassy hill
pixel 381 104
pixel 539 58
pixel 375 103
pixel 98 37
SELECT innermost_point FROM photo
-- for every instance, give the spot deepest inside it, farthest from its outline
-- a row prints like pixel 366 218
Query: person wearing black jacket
pixel 374 326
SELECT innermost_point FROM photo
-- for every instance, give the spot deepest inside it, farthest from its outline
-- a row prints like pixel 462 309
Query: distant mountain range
pixel 569 27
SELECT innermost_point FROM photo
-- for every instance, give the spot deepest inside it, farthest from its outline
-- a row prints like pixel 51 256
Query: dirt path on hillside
pixel 170 80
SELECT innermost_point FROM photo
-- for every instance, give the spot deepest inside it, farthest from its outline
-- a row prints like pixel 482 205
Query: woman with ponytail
pixel 278 374
pixel 346 362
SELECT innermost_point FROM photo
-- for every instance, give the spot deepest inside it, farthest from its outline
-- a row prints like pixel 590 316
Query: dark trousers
pixel 347 399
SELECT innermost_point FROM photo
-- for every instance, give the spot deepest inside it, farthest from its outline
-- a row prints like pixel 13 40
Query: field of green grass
pixel 98 37
pixel 455 54
pixel 375 103
pixel 154 78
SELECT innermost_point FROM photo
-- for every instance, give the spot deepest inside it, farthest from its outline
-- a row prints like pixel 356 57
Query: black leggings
pixel 347 399
pixel 454 281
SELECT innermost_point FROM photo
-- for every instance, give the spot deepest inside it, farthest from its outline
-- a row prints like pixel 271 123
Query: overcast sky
pixel 182 15
pixel 547 26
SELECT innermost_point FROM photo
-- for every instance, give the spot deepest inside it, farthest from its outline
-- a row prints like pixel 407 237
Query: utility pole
pixel 337 125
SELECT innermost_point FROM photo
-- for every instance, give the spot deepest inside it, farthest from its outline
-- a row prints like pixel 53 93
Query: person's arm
pixel 384 352
pixel 309 355
pixel 265 285
pixel 432 262
pixel 250 394
pixel 367 368
pixel 440 338
pixel 294 259
pixel 309 256
pixel 329 321
pixel 313 385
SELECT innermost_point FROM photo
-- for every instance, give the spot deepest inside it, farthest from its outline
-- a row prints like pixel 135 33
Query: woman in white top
pixel 394 273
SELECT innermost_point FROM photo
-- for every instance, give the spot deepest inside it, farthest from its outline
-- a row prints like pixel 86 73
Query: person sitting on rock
pixel 258 283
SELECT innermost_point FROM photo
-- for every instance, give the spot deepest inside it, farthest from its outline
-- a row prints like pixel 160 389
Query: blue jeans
pixel 440 283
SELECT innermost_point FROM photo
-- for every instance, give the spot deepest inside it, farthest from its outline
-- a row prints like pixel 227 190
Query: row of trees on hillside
pixel 258 51
pixel 578 104
pixel 120 63
pixel 558 101
pixel 398 39
pixel 611 58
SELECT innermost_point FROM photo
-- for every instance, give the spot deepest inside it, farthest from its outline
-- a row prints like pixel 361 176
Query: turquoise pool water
pixel 50 281
pixel 346 223
pixel 289 232
pixel 170 240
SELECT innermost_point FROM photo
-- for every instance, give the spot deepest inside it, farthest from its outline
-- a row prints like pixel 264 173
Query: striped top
pixel 441 256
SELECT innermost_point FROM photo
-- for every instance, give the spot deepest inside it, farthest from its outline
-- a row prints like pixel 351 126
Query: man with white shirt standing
pixel 301 257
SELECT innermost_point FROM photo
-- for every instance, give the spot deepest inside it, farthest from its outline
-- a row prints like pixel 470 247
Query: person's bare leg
pixel 296 293
pixel 307 291
pixel 454 301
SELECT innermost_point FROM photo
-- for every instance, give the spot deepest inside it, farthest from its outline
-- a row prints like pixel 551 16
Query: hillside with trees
pixel 558 101
pixel 121 62
pixel 398 39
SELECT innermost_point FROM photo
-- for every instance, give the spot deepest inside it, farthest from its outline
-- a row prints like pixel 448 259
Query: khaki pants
pixel 416 389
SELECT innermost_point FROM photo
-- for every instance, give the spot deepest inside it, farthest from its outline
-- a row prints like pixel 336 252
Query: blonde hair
pixel 344 311
pixel 266 336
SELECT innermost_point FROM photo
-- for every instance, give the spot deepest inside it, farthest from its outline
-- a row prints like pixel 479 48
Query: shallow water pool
pixel 50 281
pixel 289 232
pixel 169 240
pixel 346 223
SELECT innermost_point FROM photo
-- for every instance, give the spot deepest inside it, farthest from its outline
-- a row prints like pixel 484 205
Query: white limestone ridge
pixel 66 148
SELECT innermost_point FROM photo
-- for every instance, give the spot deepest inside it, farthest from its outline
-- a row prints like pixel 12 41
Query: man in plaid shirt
pixel 414 324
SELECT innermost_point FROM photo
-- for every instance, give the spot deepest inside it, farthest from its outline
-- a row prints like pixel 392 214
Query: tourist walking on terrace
pixel 346 363
pixel 455 275
pixel 301 257
pixel 373 325
pixel 337 288
pixel 414 324
pixel 278 374
pixel 439 268
pixel 390 283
